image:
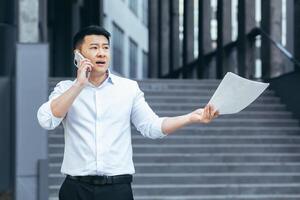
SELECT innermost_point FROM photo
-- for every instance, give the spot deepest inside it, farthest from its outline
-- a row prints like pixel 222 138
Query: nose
pixel 100 52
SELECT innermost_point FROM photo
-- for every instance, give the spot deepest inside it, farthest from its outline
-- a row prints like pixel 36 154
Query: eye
pixel 93 47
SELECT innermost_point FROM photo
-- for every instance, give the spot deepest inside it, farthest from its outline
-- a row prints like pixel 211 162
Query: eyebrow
pixel 98 44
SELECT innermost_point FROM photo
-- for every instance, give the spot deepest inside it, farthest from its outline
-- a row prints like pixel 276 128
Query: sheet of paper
pixel 235 93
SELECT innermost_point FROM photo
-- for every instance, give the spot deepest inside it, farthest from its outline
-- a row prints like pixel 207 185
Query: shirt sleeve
pixel 144 119
pixel 44 115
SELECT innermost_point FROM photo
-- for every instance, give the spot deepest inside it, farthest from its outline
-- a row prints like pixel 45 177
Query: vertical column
pixel 60 36
pixel 246 48
pixel 8 37
pixel 297 31
pixel 276 34
pixel 206 19
pixel 8 20
pixel 220 52
pixel 204 37
pixel 91 13
pixel 201 18
pixel 43 20
pixel 7 68
pixel 174 35
pixel 164 37
pixel 289 33
pixel 31 139
pixel 226 22
pixel 101 13
pixel 188 36
pixel 227 35
pixel 271 23
pixel 224 34
pixel 153 38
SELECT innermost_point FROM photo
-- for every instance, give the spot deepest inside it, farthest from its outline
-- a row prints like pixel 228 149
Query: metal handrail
pixel 279 46
pixel 231 45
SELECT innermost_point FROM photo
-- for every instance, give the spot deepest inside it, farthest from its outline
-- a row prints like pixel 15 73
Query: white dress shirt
pixel 97 126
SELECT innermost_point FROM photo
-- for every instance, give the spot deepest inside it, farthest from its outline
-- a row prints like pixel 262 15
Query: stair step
pixel 195 93
pixel 202 157
pixel 218 197
pixel 216 178
pixel 205 139
pixel 212 157
pixel 190 107
pixel 216 189
pixel 54 168
pixel 204 178
pixel 187 140
pixel 203 99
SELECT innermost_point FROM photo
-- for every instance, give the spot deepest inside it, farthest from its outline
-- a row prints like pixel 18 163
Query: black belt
pixel 103 180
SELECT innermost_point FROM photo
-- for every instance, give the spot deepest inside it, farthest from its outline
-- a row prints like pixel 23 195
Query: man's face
pixel 96 49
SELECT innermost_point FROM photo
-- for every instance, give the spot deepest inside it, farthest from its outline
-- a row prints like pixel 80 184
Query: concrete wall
pixel 28 20
pixel 31 139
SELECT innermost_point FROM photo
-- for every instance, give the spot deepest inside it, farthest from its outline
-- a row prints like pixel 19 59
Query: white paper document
pixel 235 93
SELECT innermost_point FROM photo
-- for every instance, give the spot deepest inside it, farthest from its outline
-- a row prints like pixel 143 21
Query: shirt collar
pixel 111 77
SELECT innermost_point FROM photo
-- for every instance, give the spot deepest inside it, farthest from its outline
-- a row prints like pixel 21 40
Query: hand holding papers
pixel 235 93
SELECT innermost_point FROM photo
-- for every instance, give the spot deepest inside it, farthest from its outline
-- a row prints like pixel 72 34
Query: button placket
pixel 98 132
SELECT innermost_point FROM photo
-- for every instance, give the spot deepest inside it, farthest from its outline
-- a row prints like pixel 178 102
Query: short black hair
pixel 89 30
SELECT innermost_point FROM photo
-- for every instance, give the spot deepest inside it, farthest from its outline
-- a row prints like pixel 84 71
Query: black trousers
pixel 77 190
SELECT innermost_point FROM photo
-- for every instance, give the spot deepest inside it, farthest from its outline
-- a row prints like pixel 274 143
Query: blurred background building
pixel 177 39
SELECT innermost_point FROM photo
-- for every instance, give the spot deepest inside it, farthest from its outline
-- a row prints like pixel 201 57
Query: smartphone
pixel 77 58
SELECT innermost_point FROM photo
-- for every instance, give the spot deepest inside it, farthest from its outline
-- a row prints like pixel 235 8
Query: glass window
pixel 118 48
pixel 145 12
pixel 133 6
pixel 133 58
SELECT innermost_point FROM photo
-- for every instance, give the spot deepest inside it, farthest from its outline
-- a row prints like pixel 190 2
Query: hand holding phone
pixel 78 57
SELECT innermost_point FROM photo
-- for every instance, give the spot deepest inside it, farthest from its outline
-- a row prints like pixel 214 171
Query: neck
pixel 97 80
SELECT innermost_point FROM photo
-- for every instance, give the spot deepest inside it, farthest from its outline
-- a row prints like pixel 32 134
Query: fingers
pixel 210 112
pixel 86 64
pixel 84 68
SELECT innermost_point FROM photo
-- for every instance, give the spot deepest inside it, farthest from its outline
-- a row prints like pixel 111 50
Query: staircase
pixel 252 155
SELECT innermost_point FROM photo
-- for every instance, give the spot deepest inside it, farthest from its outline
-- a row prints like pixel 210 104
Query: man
pixel 96 109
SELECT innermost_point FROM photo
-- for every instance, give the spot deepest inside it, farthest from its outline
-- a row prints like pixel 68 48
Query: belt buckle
pixel 108 179
pixel 103 180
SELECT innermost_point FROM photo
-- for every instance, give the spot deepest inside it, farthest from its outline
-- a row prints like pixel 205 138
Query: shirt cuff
pixel 55 120
pixel 157 128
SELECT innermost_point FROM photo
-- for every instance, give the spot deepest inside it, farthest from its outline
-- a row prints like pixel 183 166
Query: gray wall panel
pixel 31 92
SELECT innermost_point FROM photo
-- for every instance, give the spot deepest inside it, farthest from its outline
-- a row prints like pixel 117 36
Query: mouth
pixel 100 63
